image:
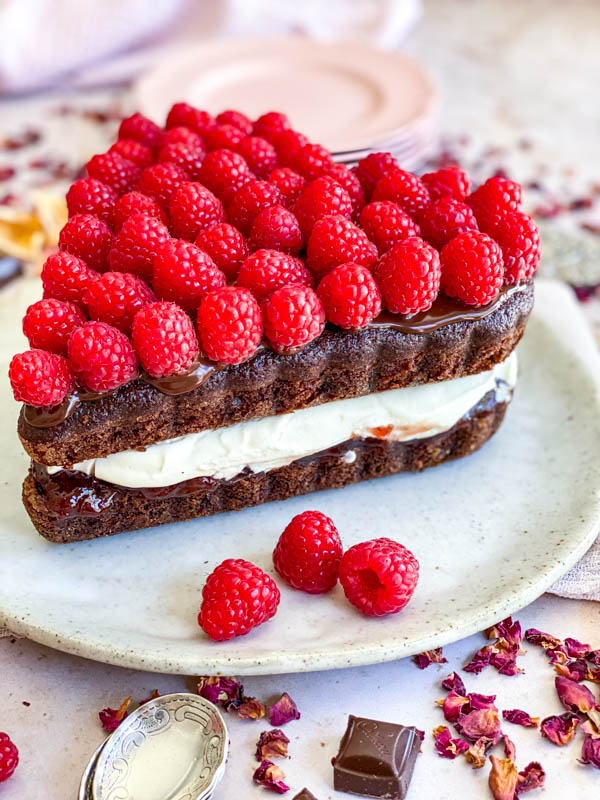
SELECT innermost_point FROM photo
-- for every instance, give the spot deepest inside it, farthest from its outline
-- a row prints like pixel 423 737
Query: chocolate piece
pixel 376 759
pixel 304 795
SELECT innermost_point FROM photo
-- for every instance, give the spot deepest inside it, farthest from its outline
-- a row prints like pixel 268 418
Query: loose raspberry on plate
pixel 236 597
pixel 185 115
pixel 403 188
pixel 335 240
pixel 450 182
pixel 48 323
pixel 115 171
pixel 276 228
pixel 312 160
pixel 229 324
pixel 519 237
pixel 182 135
pixel 472 268
pixel 39 378
pixel 88 238
pixel 134 151
pixel 224 172
pixel 289 183
pixel 267 270
pixel 320 198
pixel 308 553
pixel 270 125
pixel 193 207
pixel 91 196
pixel 248 201
pixel 135 245
pixel 67 277
pixel 241 121
pixel 293 317
pixel 444 219
pixel 372 168
pixel 136 203
pixel 350 296
pixel 259 154
pixel 186 156
pixel 349 180
pixel 226 246
pixel 9 757
pixel 101 357
pixel 160 181
pixel 116 297
pixel 183 274
pixel 379 576
pixel 385 223
pixel 496 196
pixel 409 276
pixel 141 129
pixel 288 144
pixel 164 339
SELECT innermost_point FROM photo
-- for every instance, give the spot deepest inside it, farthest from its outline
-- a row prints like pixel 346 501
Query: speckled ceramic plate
pixel 492 532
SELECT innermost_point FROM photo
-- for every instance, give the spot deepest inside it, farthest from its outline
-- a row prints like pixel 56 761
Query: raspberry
pixel 9 757
pixel 237 119
pixel 101 357
pixel 403 188
pixel 182 135
pixel 135 245
pixel 183 273
pixel 188 157
pixel 450 182
pixel 134 151
pixel 224 172
pixel 276 228
pixel 141 129
pixel 236 597
pixel 267 270
pixel 182 114
pixel 409 276
pixel 350 296
pixel 48 323
pixel 164 338
pixel 88 238
pixel 226 246
pixel 335 240
pixel 472 268
pixel 320 198
pixel 66 277
pixel 259 154
pixel 40 379
pixel 519 237
pixel 289 183
pixel 444 219
pixel 495 196
pixel 270 125
pixel 312 160
pixel 223 137
pixel 348 179
pixel 160 181
pixel 193 207
pixel 372 168
pixel 116 298
pixel 136 203
pixel 288 144
pixel 91 196
pixel 248 201
pixel 385 224
pixel 293 317
pixel 229 324
pixel 308 553
pixel 379 576
pixel 115 171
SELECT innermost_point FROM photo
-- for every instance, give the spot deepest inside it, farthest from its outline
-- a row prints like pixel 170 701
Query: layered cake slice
pixel 232 319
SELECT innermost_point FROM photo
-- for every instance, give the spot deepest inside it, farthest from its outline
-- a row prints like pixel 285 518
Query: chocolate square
pixel 304 795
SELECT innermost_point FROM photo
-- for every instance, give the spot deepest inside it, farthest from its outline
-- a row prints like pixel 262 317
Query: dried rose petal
pixel 594 719
pixel 591 728
pixel 560 730
pixel 453 705
pixel 507 631
pixel 576 670
pixel 506 663
pixel 420 734
pixel 576 649
pixel 153 695
pixel 284 710
pixel 574 696
pixel 476 754
pixel 111 718
pixel 558 655
pixel 219 690
pixel 480 660
pixel 272 744
pixel 423 660
pixel 503 778
pixel 269 775
pixel 594 657
pixel 251 708
pixel 545 640
pixel 518 717
pixel 510 751
pixel 593 675
pixel 532 777
pixel 482 700
pixel 480 723
pixel 590 752
pixel 454 682
pixel 446 746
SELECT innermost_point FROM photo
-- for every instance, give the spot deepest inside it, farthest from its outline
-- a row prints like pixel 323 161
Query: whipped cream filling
pixel 263 444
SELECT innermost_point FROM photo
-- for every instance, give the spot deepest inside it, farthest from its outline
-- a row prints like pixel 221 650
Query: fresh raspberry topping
pixel 495 196
pixel 248 201
pixel 135 245
pixel 48 323
pixel 226 246
pixel 186 156
pixel 404 188
pixel 450 182
pixel 164 338
pixel 472 268
pixel 350 296
pixel 115 171
pixel 141 129
pixel 267 270
pixel 519 237
pixel 182 114
pixel 67 277
pixel 320 198
pixel 288 144
pixel 9 757
pixel 236 597
pixel 293 316
pixel 308 553
pixel 193 207
pixel 182 135
pixel 349 180
pixel 379 576
pixel 372 168
pixel 223 137
pixel 134 151
pixel 160 181
pixel 88 238
pixel 312 160
pixel 39 378
pixel 116 297
pixel 276 228
pixel 101 357
pixel 409 276
pixel 444 219
pixel 229 324
pixel 224 172
pixel 289 183
pixel 335 240
pixel 136 203
pixel 236 118
pixel 259 154
pixel 385 223
pixel 183 273
pixel 270 125
pixel 91 196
